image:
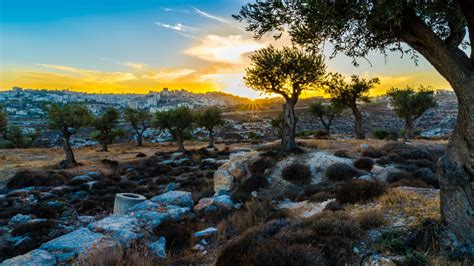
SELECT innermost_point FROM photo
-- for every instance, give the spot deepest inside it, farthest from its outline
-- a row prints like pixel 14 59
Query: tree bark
pixel 456 172
pixel 70 160
pixel 211 139
pixel 179 141
pixel 359 131
pixel 139 139
pixel 288 142
pixel 104 147
pixel 408 127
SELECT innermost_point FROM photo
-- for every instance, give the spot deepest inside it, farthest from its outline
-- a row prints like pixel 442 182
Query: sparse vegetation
pixel 140 120
pixel 341 172
pixel 326 113
pixel 359 191
pixel 177 121
pixel 209 118
pixel 297 173
pixel 106 130
pixel 364 163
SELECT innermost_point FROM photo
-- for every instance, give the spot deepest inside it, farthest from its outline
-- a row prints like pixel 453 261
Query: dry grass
pixel 12 160
pixel 412 207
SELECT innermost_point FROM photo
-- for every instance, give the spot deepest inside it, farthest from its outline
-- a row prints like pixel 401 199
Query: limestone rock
pixel 32 258
pixel 123 228
pixel 179 198
pixel 158 247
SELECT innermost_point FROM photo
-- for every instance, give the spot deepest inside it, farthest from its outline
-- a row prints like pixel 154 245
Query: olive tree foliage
pixel 68 119
pixel 140 120
pixel 15 137
pixel 287 72
pixel 350 94
pixel 105 125
pixel 209 118
pixel 409 104
pixel 178 121
pixel 326 113
pixel 440 31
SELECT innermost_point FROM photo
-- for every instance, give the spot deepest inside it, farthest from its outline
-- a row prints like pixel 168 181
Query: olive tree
pixel 325 113
pixel 140 120
pixel 435 30
pixel 106 130
pixel 178 122
pixel 209 118
pixel 287 72
pixel 16 138
pixel 68 119
pixel 410 104
pixel 349 94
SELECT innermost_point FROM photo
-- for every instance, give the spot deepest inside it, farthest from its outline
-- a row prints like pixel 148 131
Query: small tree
pixel 15 136
pixel 410 104
pixel 325 113
pixel 178 122
pixel 68 119
pixel 106 130
pixel 209 118
pixel 286 72
pixel 140 120
pixel 349 94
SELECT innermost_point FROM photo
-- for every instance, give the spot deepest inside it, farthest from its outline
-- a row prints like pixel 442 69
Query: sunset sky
pixel 125 46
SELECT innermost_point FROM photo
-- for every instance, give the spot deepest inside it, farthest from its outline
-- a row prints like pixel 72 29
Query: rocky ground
pixel 339 202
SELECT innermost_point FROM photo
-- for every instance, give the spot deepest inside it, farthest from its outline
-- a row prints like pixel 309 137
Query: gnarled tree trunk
pixel 179 141
pixel 211 139
pixel 105 146
pixel 70 160
pixel 408 127
pixel 139 139
pixel 456 171
pixel 359 131
pixel 288 141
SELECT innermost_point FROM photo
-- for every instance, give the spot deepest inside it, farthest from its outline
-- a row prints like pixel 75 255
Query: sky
pixel 137 46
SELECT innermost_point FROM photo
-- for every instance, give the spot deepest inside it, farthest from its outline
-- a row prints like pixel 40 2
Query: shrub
pixel 297 173
pixel 341 172
pixel 427 176
pixel 178 235
pixel 373 152
pixel 275 252
pixel 33 228
pixel 253 183
pixel 321 196
pixel 379 134
pixel 259 166
pixel 364 163
pixel 398 175
pixel 30 178
pixel 342 153
pixel 319 187
pixel 370 219
pixel 321 134
pixel 356 191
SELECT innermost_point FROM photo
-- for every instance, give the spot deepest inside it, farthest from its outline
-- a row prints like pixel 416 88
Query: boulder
pixel 158 247
pixel 179 198
pixel 224 201
pixel 234 170
pixel 79 243
pixel 146 205
pixel 123 228
pixel 19 219
pixel 34 257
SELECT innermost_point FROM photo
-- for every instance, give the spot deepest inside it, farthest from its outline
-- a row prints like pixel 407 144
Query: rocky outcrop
pixel 234 170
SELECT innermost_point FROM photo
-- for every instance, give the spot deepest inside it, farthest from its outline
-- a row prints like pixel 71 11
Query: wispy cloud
pixel 213 17
pixel 223 49
pixel 93 75
pixel 170 74
pixel 176 27
pixel 133 65
pixel 167 9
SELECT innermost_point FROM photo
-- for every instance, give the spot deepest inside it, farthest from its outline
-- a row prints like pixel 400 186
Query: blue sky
pixel 141 45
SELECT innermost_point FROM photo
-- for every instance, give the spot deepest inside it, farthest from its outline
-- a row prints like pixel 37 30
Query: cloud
pixel 133 65
pixel 176 27
pixel 223 49
pixel 170 74
pixel 93 75
pixel 209 16
pixel 176 10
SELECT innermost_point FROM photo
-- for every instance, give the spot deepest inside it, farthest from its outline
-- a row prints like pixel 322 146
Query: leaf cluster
pixel 68 118
pixel 348 93
pixel 410 102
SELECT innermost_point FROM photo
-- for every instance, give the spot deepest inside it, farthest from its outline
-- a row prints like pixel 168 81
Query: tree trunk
pixel 70 160
pixel 359 131
pixel 408 127
pixel 456 172
pixel 288 142
pixel 139 139
pixel 211 139
pixel 104 146
pixel 179 141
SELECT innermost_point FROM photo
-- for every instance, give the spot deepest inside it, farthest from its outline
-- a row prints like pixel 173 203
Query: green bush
pixel 384 134
pixel 355 191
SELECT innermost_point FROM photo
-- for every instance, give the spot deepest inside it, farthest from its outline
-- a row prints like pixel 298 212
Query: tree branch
pixel 467 8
